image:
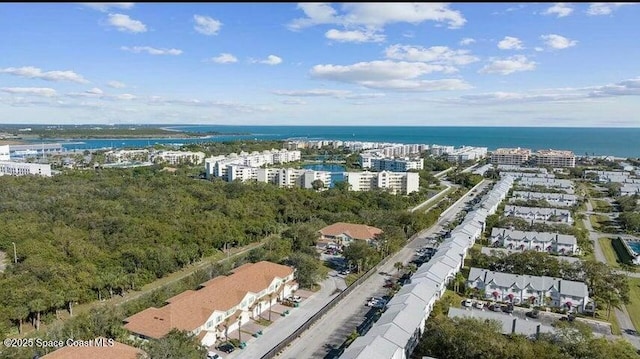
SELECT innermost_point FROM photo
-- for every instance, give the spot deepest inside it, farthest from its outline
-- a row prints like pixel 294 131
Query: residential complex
pixel 372 161
pixel 396 334
pixel 539 214
pixel 519 175
pixel 513 168
pixel 466 153
pixel 217 166
pixel 5 154
pixel 534 290
pixel 510 156
pixel 342 234
pixel 555 158
pixel 178 157
pixel 24 169
pixel 395 182
pixel 555 199
pixel 563 184
pixel 536 241
pixel 219 306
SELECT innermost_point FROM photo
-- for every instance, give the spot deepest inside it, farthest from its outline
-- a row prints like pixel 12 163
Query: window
pixel 209 324
pixel 218 318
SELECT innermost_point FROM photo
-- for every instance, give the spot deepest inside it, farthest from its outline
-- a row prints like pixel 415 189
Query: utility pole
pixel 15 254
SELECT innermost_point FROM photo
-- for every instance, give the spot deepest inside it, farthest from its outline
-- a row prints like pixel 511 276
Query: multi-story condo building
pixel 534 241
pixel 24 169
pixel 534 290
pixel 556 199
pixel 390 164
pixel 510 156
pixel 555 158
pixel 466 153
pixel 282 177
pixel 539 214
pixel 21 151
pixel 5 154
pixel 120 156
pixel 438 150
pixel 395 182
pixel 220 306
pixel 177 157
pixel 217 166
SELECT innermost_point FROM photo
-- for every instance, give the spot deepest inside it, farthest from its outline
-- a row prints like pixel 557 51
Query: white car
pixel 213 355
pixel 479 305
pixel 467 303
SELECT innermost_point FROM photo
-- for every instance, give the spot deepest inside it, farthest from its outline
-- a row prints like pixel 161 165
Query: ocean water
pixel 619 142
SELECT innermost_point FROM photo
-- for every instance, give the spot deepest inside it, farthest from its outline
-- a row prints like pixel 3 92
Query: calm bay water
pixel 619 142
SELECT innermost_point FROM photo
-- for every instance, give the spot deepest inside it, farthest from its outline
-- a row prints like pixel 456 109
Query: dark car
pixel 533 314
pixel 568 318
pixel 495 308
pixel 507 309
pixel 226 347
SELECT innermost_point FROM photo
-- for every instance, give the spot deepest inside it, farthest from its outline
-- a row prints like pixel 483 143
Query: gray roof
pixel 488 251
pixel 530 235
pixel 518 210
pixel 523 326
pixel 539 283
pixel 422 290
pixel 372 347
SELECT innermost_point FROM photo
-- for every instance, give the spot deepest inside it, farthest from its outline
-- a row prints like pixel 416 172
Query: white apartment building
pixel 282 177
pixel 120 156
pixel 395 182
pixel 555 158
pixel 556 199
pixel 391 164
pixel 466 153
pixel 535 290
pixel 438 150
pixel 217 166
pixel 539 214
pixel 5 154
pixel 24 169
pixel 177 157
pixel 510 156
pixel 562 244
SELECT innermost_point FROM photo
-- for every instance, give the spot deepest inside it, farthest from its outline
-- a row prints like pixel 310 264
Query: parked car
pixel 479 305
pixel 226 348
pixel 467 303
pixel 569 318
pixel 533 314
pixel 508 308
pixel 495 308
pixel 295 299
pixel 213 355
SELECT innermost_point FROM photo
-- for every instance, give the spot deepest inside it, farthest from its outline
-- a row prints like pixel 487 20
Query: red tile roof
pixel 191 309
pixel 356 231
pixel 115 351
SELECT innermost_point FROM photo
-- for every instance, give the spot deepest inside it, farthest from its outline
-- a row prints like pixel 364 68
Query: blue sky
pixel 431 64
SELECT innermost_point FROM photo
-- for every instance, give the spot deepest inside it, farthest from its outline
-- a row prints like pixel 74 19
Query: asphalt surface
pixel 333 328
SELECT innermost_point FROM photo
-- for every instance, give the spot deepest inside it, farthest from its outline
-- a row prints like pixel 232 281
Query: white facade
pixel 539 214
pixel 177 157
pixel 217 166
pixel 5 153
pixel 24 169
pixel 396 182
pixel 555 158
pixel 466 153
pixel 534 241
pixel 556 199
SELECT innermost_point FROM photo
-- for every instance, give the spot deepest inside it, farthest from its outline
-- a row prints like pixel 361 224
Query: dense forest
pixel 80 236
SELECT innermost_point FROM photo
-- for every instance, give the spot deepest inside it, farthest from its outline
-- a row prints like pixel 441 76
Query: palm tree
pixel 270 304
pixel 459 279
pixel 240 328
pixel 226 328
pixel 412 268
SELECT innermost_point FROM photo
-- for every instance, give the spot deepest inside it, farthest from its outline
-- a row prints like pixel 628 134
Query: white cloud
pixel 467 41
pixel 105 6
pixel 435 54
pixel 510 43
pixel 294 101
pixel 125 97
pixel 151 50
pixel 313 93
pixel 629 87
pixel 603 8
pixel 270 60
pixel 116 84
pixel 36 73
pixel 33 91
pixel 126 24
pixel 354 36
pixel 390 75
pixel 557 42
pixel 509 65
pixel 560 9
pixel 224 58
pixel 376 15
pixel 206 25
pixel 95 91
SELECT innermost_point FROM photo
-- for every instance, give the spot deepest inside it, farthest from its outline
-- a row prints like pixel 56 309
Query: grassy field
pixel 597 221
pixel 601 205
pixel 609 253
pixel 634 306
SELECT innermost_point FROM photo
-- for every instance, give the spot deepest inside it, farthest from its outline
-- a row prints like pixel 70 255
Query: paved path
pixel 621 314
pixel 435 197
pixel 282 327
pixel 334 327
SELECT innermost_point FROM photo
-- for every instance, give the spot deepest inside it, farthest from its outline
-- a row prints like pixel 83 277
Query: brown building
pixel 102 348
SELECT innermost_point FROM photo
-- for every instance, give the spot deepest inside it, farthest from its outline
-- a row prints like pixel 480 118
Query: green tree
pixel 176 345
pixel 308 269
pixel 317 185
pixel 360 253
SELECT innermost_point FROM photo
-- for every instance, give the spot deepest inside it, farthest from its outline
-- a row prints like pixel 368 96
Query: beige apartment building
pixel 555 158
pixel 510 156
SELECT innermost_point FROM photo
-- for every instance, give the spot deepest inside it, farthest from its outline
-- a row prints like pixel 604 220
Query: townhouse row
pixel 555 199
pixel 396 334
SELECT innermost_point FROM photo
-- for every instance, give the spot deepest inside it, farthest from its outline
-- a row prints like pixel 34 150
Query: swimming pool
pixel 634 245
